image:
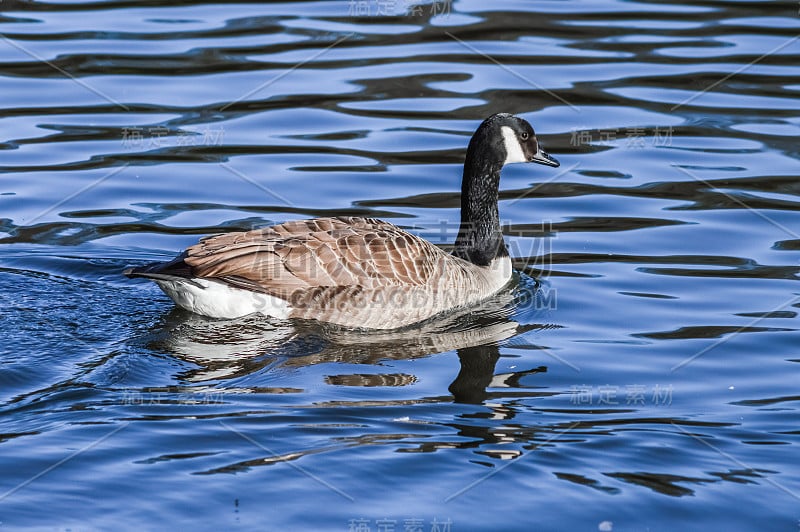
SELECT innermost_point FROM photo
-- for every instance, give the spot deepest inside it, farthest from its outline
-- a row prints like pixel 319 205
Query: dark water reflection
pixel 646 379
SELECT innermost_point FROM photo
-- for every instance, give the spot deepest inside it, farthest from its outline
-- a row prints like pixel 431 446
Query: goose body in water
pixel 359 272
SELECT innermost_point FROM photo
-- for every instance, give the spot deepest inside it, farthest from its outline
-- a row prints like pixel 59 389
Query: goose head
pixel 503 139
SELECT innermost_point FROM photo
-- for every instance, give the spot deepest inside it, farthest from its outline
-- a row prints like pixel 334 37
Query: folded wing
pixel 326 252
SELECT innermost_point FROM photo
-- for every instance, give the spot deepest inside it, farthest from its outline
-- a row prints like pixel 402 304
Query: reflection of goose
pixel 249 347
pixel 477 373
pixel 222 349
pixel 359 272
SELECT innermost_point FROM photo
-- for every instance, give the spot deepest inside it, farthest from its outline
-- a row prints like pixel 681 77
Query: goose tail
pixel 174 270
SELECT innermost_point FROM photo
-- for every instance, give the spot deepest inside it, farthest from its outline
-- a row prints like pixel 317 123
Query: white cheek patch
pixel 514 153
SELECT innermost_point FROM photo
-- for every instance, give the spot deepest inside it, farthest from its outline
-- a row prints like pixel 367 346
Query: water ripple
pixel 648 351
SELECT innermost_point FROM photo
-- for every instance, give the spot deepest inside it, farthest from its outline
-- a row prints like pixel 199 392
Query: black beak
pixel 542 157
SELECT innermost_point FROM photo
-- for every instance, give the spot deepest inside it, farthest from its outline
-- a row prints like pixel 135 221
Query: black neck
pixel 479 238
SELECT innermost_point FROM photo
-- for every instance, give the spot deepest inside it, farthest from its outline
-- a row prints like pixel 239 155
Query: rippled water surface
pixel 643 375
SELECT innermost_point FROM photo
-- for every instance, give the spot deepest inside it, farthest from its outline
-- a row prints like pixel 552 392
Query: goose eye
pixel 524 135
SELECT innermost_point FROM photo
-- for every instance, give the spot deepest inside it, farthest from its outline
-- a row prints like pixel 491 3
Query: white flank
pixel 514 153
pixel 219 300
pixel 500 271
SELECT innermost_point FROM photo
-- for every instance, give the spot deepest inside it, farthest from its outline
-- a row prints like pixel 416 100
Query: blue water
pixel 643 375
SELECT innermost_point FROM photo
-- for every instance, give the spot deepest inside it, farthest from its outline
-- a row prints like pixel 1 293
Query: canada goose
pixel 359 272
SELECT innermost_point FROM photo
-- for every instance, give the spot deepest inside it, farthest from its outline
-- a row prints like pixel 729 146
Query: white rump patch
pixel 218 300
pixel 514 152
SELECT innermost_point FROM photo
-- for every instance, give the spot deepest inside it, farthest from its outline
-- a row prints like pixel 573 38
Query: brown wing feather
pixel 324 252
